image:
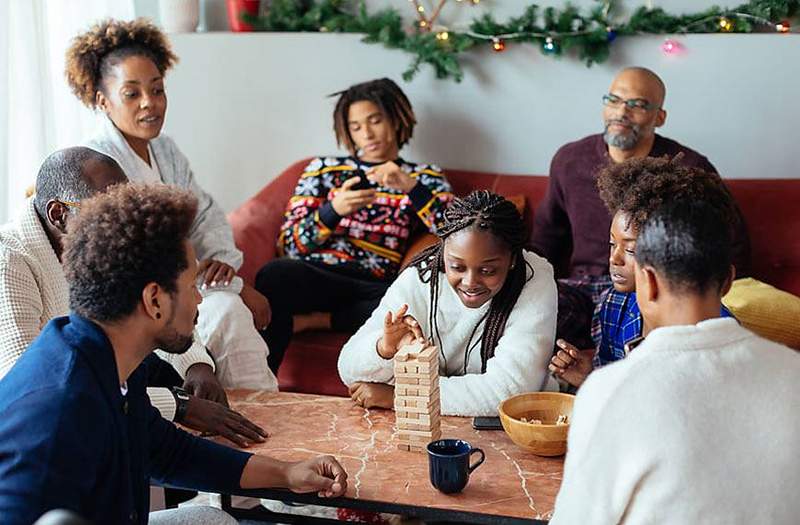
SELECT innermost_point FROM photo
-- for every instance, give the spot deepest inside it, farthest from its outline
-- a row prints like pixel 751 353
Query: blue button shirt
pixel 617 322
pixel 69 439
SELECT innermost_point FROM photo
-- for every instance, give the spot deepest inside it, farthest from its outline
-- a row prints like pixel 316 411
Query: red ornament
pixel 499 45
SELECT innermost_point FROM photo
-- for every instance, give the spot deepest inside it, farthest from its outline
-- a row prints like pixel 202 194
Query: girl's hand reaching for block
pixel 399 329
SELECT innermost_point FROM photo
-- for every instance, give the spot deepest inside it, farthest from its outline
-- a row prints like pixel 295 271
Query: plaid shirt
pixel 617 320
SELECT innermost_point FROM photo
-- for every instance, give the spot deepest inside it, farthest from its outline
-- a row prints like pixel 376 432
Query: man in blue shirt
pixel 632 191
pixel 77 430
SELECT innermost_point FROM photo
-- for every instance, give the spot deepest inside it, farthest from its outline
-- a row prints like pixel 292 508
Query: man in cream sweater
pixel 699 424
pixel 33 290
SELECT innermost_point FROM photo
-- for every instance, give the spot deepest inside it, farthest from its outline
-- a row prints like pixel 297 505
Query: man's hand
pixel 571 364
pixel 201 382
pixel 348 200
pixel 258 305
pixel 372 395
pixel 215 273
pixel 212 418
pixel 391 176
pixel 323 475
pixel 399 329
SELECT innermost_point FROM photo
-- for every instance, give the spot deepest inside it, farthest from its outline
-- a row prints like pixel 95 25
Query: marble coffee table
pixel 512 486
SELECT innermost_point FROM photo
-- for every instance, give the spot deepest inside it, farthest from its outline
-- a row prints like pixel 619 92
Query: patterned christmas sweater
pixel 372 240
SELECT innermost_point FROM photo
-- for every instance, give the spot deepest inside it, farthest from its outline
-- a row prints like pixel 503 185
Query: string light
pixel 671 47
pixel 442 35
pixel 725 24
pixel 498 44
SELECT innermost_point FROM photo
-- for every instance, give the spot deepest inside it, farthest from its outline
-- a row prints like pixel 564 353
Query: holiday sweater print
pixel 372 240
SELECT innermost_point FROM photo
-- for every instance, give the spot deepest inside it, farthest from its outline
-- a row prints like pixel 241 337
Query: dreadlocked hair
pixel 638 187
pixel 481 211
pixel 92 54
pixel 389 98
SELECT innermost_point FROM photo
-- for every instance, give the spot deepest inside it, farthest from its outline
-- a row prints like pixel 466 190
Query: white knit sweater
pixel 33 290
pixel 521 356
pixel 700 424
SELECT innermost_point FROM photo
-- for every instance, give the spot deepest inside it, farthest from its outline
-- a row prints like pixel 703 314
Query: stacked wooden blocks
pixel 416 396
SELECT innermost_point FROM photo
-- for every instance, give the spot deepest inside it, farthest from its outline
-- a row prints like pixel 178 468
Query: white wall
pixel 244 106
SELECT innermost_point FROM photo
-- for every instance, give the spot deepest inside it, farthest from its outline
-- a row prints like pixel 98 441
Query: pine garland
pixel 589 36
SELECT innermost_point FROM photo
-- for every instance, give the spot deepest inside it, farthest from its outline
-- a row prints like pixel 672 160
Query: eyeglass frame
pixel 611 100
pixel 70 204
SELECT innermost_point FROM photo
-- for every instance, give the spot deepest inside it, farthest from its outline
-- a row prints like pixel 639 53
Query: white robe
pixel 225 325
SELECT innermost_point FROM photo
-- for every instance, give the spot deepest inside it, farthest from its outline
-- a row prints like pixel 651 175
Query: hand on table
pixel 372 395
pixel 347 200
pixel 215 273
pixel 399 329
pixel 215 419
pixel 571 364
pixel 201 382
pixel 323 475
pixel 391 176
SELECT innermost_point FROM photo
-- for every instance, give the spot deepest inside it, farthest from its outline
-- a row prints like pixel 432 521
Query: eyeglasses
pixel 634 104
pixel 71 204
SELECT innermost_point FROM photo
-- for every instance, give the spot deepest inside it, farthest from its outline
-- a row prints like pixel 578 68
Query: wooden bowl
pixel 546 439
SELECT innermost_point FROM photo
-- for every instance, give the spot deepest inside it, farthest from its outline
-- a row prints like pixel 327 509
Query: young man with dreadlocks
pixel 487 304
pixel 344 237
pixel 632 191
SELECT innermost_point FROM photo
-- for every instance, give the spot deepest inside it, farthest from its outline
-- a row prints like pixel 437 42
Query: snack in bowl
pixel 538 421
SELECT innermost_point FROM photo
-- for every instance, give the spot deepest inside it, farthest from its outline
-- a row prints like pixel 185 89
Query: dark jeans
pixel 296 287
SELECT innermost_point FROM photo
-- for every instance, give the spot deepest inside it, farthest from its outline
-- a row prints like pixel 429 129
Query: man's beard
pixel 172 341
pixel 623 141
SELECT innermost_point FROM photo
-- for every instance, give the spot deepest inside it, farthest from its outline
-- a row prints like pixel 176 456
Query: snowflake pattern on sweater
pixel 372 240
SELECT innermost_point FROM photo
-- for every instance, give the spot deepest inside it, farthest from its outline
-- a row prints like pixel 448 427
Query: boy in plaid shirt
pixel 631 191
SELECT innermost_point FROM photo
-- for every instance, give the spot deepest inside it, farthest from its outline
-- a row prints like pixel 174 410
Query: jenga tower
pixel 416 396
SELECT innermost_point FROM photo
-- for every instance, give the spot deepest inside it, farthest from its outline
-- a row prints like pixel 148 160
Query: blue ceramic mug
pixel 448 461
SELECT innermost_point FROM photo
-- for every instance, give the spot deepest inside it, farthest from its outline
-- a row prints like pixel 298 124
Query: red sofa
pixel 769 206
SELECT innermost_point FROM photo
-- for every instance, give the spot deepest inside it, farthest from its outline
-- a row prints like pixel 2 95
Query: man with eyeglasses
pixel 571 224
pixel 33 290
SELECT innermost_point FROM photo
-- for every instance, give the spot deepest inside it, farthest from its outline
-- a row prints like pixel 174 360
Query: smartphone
pixel 363 182
pixel 486 423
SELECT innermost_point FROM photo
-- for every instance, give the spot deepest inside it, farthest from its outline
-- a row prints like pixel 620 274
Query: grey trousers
pixel 191 516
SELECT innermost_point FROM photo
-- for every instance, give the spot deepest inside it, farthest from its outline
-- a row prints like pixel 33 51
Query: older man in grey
pixel 33 290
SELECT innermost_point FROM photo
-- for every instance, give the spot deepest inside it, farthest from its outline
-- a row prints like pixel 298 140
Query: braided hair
pixel 480 211
pixel 389 98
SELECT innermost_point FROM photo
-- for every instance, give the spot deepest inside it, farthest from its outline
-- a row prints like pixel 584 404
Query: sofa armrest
pixel 257 223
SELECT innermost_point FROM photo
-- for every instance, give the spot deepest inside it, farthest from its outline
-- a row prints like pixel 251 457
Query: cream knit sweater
pixel 33 290
pixel 521 356
pixel 700 424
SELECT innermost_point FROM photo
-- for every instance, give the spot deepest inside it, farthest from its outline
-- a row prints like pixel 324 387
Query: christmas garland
pixel 589 36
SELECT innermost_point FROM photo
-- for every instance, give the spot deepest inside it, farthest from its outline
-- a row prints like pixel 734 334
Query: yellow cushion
pixel 767 311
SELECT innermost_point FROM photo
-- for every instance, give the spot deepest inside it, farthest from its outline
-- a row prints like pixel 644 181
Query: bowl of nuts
pixel 538 421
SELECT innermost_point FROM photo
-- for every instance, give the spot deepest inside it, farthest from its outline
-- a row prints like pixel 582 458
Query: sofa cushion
pixel 767 311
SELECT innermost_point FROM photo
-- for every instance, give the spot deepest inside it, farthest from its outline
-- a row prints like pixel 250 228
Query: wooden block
pixel 412 390
pixel 418 440
pixel 418 419
pixel 413 426
pixel 429 355
pixel 428 408
pixel 421 433
pixel 411 448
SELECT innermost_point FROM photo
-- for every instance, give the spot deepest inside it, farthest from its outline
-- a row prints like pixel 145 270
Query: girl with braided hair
pixel 487 304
